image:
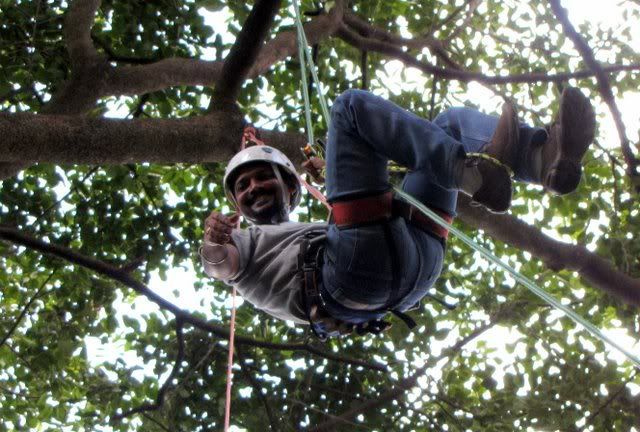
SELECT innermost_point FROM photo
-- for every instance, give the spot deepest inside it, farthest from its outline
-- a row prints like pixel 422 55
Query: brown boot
pixel 495 190
pixel 569 138
pixel 504 143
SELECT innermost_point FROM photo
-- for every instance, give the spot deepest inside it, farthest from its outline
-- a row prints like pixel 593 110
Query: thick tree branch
pixel 603 84
pixel 70 139
pixel 286 43
pixel 15 236
pixel 77 31
pixel 556 255
pixel 105 80
pixel 244 51
pixel 89 68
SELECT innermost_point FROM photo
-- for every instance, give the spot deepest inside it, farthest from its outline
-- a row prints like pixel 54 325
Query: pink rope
pixel 249 136
pixel 316 193
pixel 232 325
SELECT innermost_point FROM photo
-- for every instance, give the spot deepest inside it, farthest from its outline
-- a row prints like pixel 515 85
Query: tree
pixel 92 207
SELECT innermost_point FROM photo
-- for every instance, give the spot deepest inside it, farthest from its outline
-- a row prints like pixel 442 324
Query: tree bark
pixel 31 138
pixel 244 51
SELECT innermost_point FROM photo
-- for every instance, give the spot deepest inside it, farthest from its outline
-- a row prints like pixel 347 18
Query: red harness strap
pixel 383 207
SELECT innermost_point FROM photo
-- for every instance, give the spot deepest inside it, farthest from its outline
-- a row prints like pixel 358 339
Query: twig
pixel 364 68
pixel 603 84
pixel 256 388
pixel 55 204
pixel 404 385
pixel 609 400
pixel 160 425
pixel 335 419
pixel 453 15
pixel 163 389
pixel 140 107
pixel 26 308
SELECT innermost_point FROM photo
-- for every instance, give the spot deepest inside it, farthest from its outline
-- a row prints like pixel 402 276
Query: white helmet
pixel 278 161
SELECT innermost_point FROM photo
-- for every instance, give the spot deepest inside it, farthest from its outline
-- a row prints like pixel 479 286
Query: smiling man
pixel 378 254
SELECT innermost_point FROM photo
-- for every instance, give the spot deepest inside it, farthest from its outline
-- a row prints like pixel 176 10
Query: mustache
pixel 256 193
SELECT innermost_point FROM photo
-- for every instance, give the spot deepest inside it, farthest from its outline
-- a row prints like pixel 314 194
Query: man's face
pixel 257 192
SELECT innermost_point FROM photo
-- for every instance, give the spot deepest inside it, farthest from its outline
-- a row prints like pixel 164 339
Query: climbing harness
pixel 384 207
pixel 429 213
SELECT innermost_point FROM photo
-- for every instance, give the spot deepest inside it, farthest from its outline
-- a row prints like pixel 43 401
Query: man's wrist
pixel 213 253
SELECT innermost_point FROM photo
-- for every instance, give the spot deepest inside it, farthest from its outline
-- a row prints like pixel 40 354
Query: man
pixel 379 255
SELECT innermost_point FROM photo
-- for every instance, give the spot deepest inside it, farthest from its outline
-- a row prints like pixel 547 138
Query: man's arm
pixel 220 261
pixel 220 257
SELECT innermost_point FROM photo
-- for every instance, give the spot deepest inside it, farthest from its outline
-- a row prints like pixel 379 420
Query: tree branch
pixel 15 236
pixel 163 389
pixel 77 31
pixel 555 254
pixel 89 68
pixel 473 5
pixel 604 86
pixel 609 400
pixel 127 80
pixel 403 386
pixel 273 423
pixel 244 52
pixel 362 43
pixel 372 32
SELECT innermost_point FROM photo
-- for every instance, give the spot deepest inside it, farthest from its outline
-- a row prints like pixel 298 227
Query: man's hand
pixel 330 324
pixel 314 166
pixel 218 227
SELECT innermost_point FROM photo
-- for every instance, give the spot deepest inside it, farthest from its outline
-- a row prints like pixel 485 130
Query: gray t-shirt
pixel 267 275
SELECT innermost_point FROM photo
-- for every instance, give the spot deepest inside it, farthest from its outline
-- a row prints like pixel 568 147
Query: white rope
pixel 545 296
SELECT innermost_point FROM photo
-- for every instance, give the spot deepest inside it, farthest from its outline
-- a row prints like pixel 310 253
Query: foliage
pixel 531 370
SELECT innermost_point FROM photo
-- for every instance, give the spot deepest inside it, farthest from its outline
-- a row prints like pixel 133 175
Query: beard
pixel 264 208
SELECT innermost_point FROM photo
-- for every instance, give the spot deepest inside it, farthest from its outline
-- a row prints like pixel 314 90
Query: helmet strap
pixel 285 206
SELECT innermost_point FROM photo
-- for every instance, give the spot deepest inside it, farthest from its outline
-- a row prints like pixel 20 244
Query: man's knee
pixel 450 116
pixel 449 120
pixel 348 101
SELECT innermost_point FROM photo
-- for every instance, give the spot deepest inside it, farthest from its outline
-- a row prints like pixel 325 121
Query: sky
pixel 180 280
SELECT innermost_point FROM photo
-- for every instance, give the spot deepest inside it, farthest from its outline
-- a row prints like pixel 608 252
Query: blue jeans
pixel 366 131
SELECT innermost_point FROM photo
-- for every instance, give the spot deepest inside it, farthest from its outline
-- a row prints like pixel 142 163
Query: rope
pixel 305 87
pixel 303 46
pixel 232 330
pixel 548 298
pixel 540 292
pixel 248 137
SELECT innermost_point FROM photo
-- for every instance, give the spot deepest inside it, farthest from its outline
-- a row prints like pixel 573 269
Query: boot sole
pixel 577 130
